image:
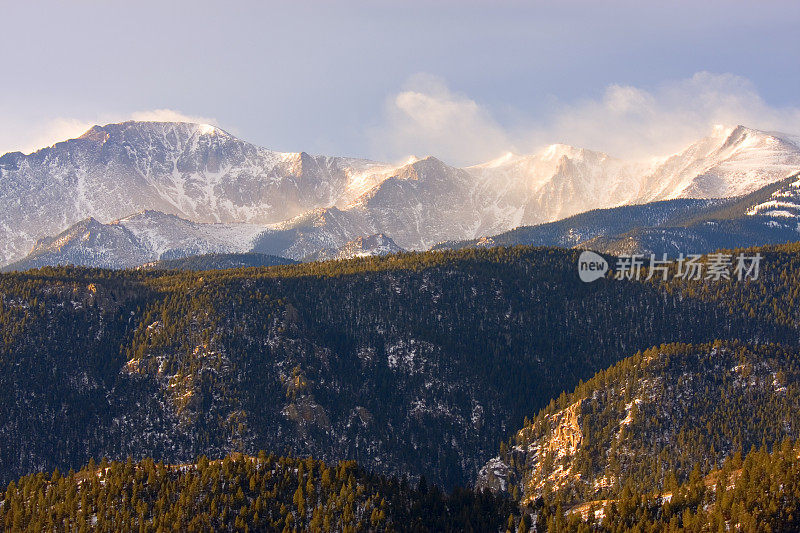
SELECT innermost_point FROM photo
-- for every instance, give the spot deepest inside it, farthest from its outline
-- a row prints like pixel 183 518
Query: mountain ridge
pixel 416 363
pixel 308 203
pixel 769 215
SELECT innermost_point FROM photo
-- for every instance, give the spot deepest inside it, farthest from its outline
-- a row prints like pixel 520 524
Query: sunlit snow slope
pixel 297 204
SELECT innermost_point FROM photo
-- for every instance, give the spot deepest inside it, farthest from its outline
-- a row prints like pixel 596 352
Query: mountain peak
pixel 734 134
pixel 102 133
pixel 746 137
pixel 95 133
pixel 414 166
pixel 722 131
pixel 551 153
pixel 428 159
pixel 558 150
pixel 426 168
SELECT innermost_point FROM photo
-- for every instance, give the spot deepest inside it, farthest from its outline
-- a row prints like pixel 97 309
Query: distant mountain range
pixel 145 237
pixel 152 237
pixel 126 194
pixel 770 215
pixel 197 172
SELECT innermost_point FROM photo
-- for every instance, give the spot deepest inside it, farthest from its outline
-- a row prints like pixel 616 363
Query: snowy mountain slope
pixel 142 238
pixel 311 232
pixel 195 171
pixel 310 203
pixel 420 204
pixel 562 180
pixel 427 200
pixel 168 236
pixel 782 205
pixel 557 182
pixel 770 215
pixel 89 243
pixel 583 227
pixel 730 162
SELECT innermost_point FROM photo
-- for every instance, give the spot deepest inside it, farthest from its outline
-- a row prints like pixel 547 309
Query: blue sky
pixel 462 80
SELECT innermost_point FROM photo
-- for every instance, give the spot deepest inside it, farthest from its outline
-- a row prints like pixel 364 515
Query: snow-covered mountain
pixel 141 238
pixel 770 215
pixel 557 182
pixel 298 204
pixel 418 205
pixel 730 162
pixel 196 171
pixel 426 201
pixel 783 205
pixel 563 180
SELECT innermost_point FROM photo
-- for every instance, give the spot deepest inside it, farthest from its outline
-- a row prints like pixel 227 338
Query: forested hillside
pixel 653 418
pixel 241 493
pixel 218 261
pixel 410 364
pixel 759 493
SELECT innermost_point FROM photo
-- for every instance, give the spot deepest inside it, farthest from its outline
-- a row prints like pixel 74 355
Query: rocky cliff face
pixel 378 244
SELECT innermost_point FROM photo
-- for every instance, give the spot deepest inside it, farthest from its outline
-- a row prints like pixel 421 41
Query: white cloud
pixel 45 134
pixel 28 137
pixel 428 118
pixel 634 122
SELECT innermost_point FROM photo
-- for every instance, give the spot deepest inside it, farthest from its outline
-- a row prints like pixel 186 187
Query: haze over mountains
pixel 126 194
